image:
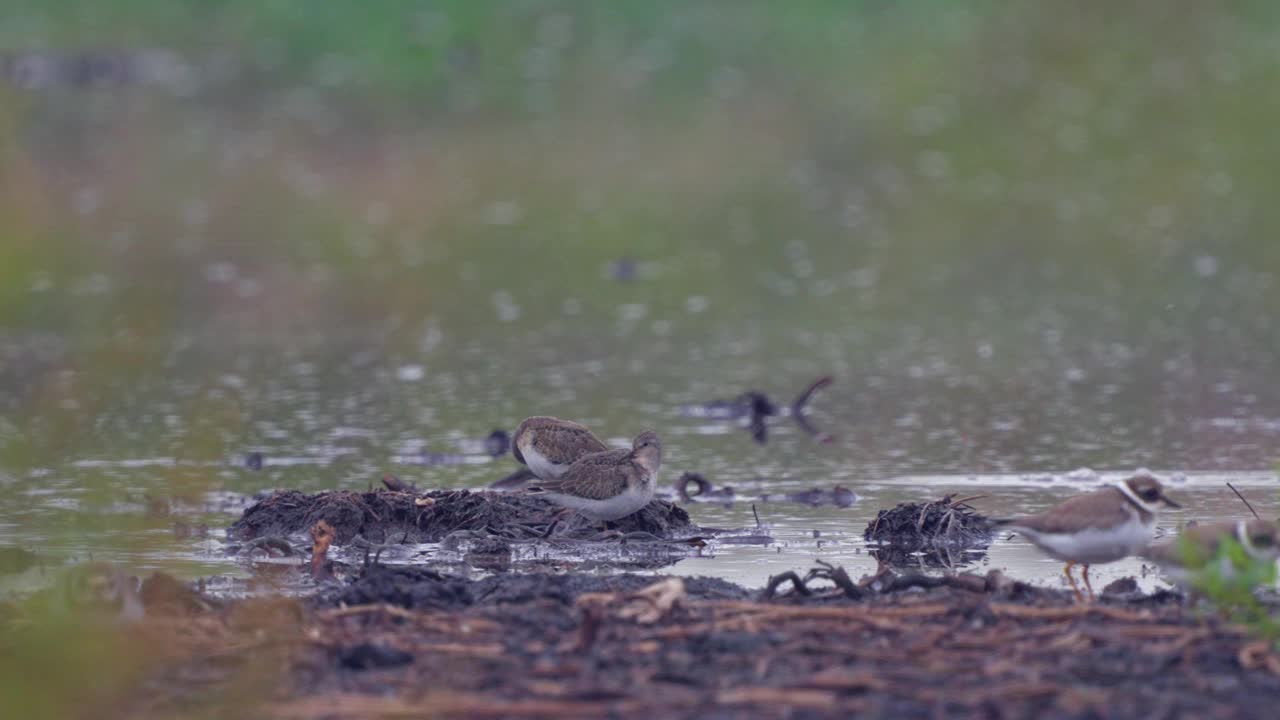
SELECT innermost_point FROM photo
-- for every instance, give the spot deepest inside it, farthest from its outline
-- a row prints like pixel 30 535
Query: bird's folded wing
pixel 1095 510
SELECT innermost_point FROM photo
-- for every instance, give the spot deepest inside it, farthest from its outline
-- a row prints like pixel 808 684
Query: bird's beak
pixel 1170 503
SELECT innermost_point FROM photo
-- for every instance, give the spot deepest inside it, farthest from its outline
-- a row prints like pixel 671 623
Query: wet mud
pixel 400 642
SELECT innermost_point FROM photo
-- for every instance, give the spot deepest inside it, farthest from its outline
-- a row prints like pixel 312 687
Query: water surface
pixel 170 453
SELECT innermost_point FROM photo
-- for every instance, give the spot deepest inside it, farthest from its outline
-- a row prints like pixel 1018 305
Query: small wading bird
pixel 1195 549
pixel 548 446
pixel 609 485
pixel 1098 527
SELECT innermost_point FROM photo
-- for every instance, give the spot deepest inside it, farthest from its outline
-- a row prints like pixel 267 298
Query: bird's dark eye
pixel 1151 494
pixel 1262 541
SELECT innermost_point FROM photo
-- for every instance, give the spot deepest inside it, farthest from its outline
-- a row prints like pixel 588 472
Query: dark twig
pixel 965 500
pixel 924 512
pixel 771 590
pixel 837 575
pixel 1246 502
pixel 682 485
pixel 802 400
pixel 756 514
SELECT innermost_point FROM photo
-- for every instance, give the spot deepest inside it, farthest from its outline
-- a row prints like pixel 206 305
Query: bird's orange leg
pixel 1088 585
pixel 1075 589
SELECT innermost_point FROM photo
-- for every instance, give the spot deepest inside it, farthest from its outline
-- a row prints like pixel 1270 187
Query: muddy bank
pixel 406 642
pixel 415 588
pixel 387 516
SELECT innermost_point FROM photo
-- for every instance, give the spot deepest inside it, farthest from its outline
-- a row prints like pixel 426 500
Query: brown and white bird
pixel 1103 526
pixel 609 485
pixel 550 445
pixel 1196 548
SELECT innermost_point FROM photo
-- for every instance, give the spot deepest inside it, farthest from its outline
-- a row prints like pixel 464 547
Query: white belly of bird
pixel 541 466
pixel 1093 546
pixel 618 506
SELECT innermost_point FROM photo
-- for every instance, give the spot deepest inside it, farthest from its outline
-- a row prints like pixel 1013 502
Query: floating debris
pixel 703 490
pixel 497 443
pixel 802 400
pixel 839 496
pixel 938 533
pixel 755 407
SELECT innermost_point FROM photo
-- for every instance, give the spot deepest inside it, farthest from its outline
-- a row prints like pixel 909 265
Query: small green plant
pixel 1228 577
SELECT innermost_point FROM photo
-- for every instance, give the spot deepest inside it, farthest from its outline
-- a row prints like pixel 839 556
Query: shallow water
pixel 331 419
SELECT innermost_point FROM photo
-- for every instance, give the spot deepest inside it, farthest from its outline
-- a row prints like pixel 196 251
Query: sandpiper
pixel 609 485
pixel 1098 527
pixel 1193 550
pixel 550 445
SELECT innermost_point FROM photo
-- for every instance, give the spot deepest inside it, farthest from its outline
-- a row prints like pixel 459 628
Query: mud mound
pixel 944 532
pixel 388 516
pixel 419 588
pixel 376 516
pixel 409 642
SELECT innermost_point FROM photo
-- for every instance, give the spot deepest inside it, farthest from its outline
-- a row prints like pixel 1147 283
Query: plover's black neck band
pixel 1144 512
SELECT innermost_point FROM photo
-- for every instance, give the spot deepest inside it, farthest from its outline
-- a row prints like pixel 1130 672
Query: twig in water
pixel 798 405
pixel 682 485
pixel 753 512
pixel 1246 502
